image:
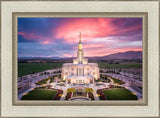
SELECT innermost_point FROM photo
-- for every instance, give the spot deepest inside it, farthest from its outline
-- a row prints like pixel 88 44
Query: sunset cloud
pixel 90 28
pixel 60 36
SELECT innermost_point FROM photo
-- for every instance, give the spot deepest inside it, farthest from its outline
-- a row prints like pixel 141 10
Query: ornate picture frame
pixel 11 10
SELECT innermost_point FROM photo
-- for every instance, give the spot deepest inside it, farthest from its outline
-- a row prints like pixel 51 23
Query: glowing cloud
pixel 60 36
pixel 90 28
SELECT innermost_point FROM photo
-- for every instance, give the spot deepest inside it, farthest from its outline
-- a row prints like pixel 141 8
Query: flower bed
pixel 69 94
pixel 101 95
pixel 58 95
pixel 90 95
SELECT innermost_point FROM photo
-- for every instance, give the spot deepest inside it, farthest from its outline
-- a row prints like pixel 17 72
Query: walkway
pixel 139 95
pixel 64 94
pixel 132 90
pixel 26 91
pixel 36 79
pixel 95 95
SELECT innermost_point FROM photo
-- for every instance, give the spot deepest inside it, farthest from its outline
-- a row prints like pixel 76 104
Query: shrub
pixel 102 96
pixel 90 95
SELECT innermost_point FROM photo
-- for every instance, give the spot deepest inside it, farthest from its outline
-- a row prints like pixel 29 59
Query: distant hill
pixel 129 55
pixel 39 58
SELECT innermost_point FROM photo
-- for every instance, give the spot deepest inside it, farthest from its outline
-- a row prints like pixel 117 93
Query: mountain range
pixel 129 55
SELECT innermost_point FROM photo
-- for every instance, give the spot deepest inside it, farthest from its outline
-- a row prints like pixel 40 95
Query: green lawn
pixel 119 94
pixel 121 65
pixel 39 95
pixel 44 81
pixel 117 81
pixel 28 68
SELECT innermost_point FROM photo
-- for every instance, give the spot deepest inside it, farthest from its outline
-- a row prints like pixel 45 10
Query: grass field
pixel 44 81
pixel 119 94
pixel 39 95
pixel 117 81
pixel 28 68
pixel 121 65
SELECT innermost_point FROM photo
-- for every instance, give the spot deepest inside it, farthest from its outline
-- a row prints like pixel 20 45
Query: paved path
pixel 137 94
pixel 95 95
pixel 132 90
pixel 64 88
pixel 34 80
pixel 108 77
pixel 64 95
pixel 26 91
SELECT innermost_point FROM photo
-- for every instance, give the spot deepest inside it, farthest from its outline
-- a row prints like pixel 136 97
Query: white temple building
pixel 80 71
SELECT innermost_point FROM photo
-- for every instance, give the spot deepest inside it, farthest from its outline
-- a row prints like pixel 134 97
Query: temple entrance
pixel 79 81
pixel 69 81
pixel 91 81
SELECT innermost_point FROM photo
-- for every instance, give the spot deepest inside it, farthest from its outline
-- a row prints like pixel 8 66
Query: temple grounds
pixel 119 94
pixel 39 95
pixel 43 84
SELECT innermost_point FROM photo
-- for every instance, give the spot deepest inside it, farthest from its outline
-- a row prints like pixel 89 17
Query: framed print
pixel 73 57
pixel 72 80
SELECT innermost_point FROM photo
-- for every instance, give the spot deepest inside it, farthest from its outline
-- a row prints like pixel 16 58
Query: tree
pixel 71 90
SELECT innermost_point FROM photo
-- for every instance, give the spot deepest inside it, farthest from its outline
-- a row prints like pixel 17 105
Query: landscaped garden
pixel 115 86
pixel 90 95
pixel 39 95
pixel 58 95
pixel 104 78
pixel 42 87
pixel 119 94
pixel 101 94
pixel 117 81
pixel 44 81
pixel 69 95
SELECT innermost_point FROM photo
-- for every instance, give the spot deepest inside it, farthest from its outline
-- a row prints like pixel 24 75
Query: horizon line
pixel 73 56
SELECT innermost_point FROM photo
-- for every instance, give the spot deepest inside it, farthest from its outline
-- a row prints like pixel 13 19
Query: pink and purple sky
pixel 47 37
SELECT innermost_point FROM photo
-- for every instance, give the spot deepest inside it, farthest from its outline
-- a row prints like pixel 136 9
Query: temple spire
pixel 80 43
pixel 80 37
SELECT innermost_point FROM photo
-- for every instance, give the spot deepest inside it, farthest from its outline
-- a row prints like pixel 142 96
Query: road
pixel 33 85
pixel 64 88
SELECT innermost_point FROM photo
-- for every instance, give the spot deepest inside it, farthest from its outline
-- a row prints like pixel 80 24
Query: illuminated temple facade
pixel 80 71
